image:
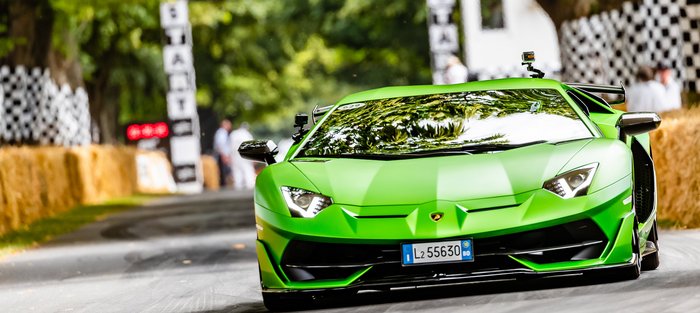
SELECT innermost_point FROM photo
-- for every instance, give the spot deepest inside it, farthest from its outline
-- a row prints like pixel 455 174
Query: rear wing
pixel 606 89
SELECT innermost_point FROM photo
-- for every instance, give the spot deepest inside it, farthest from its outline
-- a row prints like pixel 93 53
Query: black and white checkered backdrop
pixel 37 111
pixel 608 48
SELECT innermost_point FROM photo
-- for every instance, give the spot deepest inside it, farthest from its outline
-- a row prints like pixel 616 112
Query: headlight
pixel 572 183
pixel 304 203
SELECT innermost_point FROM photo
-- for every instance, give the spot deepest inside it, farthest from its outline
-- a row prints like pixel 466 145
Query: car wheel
pixel 651 261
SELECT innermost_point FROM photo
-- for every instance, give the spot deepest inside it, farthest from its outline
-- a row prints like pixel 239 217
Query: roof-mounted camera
pixel 528 59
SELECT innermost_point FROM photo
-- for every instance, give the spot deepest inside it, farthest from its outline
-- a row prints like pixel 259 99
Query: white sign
pixel 180 82
pixel 174 14
pixel 443 34
pixel 177 59
pixel 181 104
pixel 182 107
pixel 187 150
pixel 178 36
pixel 441 3
pixel 444 38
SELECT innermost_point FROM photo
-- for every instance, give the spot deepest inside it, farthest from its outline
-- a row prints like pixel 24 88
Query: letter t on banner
pixel 182 108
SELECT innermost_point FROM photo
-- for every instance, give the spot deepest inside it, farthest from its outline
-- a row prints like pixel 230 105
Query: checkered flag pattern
pixel 690 28
pixel 609 47
pixel 34 110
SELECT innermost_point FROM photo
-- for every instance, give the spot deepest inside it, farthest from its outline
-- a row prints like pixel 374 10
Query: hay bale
pixel 102 172
pixel 211 172
pixel 80 174
pixel 24 190
pixel 676 150
pixel 37 182
pixel 56 189
pixel 114 171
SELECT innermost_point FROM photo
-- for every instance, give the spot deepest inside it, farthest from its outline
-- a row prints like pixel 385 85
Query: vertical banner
pixel 182 107
pixel 444 37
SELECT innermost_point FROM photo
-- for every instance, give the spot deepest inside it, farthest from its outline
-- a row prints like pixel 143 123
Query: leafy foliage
pixel 266 60
pixel 437 121
pixel 259 60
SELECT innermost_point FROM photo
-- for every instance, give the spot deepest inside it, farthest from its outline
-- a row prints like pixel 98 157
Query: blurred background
pixel 263 61
pixel 119 119
pixel 256 61
pixel 156 79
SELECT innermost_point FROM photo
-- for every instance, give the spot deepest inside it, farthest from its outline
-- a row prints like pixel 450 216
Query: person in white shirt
pixel 647 95
pixel 222 149
pixel 243 170
pixel 456 72
pixel 672 88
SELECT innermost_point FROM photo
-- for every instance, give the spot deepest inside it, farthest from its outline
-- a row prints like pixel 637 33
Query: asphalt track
pixel 195 254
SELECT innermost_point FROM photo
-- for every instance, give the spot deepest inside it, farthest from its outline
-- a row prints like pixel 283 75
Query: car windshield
pixel 463 121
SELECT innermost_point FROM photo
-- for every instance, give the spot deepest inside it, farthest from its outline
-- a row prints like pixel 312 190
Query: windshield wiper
pixel 461 150
pixel 471 149
pixel 571 140
pixel 501 147
pixel 353 156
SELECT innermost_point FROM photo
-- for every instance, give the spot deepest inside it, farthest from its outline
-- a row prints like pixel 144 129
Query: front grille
pixel 308 260
pixel 579 240
pixel 396 273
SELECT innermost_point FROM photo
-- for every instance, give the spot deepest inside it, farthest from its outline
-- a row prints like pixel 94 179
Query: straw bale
pixel 56 191
pixel 33 184
pixel 211 172
pixel 37 182
pixel 676 151
pixel 102 172
pixel 20 200
pixel 80 174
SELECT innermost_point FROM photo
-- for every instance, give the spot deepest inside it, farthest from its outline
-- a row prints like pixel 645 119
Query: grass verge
pixel 45 229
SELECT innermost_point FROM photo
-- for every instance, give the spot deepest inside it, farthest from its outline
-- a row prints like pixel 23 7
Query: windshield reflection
pixel 425 123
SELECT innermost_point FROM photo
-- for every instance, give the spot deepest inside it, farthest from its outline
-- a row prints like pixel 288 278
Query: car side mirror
pixel 638 123
pixel 259 151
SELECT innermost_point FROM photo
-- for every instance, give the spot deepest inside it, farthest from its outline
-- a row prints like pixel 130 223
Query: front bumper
pixel 605 220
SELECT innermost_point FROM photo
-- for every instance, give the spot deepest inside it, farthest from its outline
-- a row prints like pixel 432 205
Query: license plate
pixel 437 252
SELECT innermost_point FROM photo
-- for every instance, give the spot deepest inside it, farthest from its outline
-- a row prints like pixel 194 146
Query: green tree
pixel 110 47
pixel 263 61
pixel 259 60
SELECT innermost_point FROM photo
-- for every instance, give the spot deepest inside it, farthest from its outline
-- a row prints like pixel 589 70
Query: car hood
pixel 450 177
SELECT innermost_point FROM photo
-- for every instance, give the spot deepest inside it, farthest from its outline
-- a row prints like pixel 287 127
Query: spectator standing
pixel 647 95
pixel 672 88
pixel 456 72
pixel 222 149
pixel 243 170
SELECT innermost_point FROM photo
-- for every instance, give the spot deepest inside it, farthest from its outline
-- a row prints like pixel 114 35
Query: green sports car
pixel 432 185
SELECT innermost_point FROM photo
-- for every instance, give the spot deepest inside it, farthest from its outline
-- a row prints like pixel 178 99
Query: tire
pixel 651 261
